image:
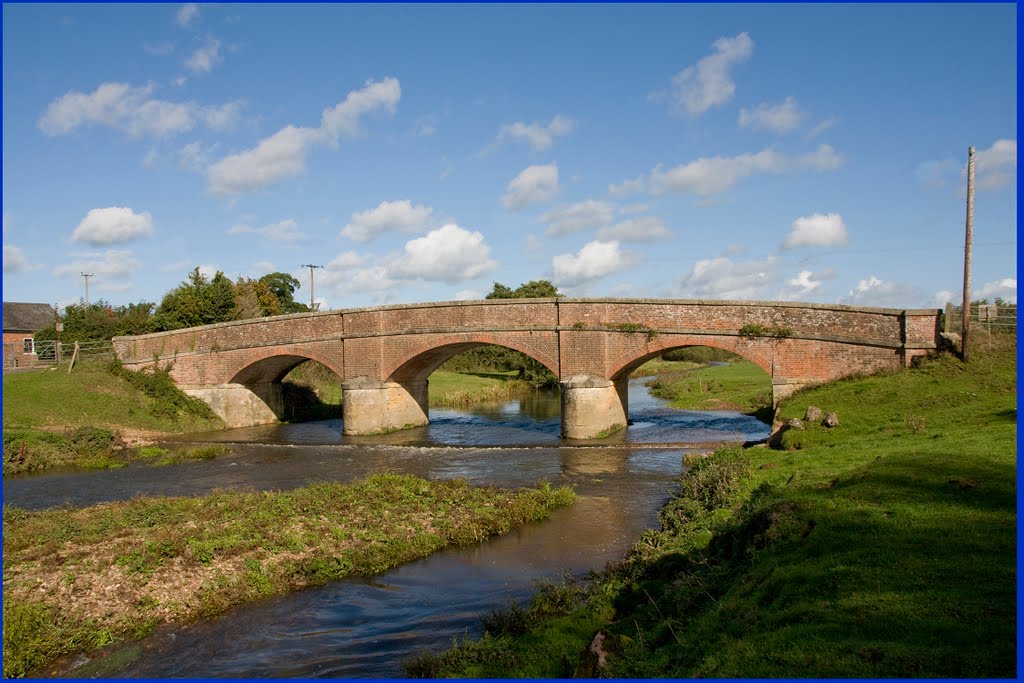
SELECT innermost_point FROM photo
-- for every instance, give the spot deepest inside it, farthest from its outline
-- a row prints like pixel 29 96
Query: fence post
pixel 948 324
pixel 74 357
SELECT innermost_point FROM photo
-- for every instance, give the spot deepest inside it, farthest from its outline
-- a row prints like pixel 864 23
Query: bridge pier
pixel 243 405
pixel 593 407
pixel 373 407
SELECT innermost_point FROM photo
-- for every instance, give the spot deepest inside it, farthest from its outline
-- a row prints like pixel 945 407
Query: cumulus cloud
pixel 877 292
pixel 995 167
pixel 187 13
pixel 283 154
pixel 282 231
pixel 712 175
pixel 449 254
pixel 206 57
pixel 709 84
pixel 817 230
pixel 468 295
pixel 539 136
pixel 194 156
pixel 640 229
pixel 821 128
pixel 110 264
pixel 399 215
pixel 723 278
pixel 780 118
pixel 14 259
pixel 580 216
pixel 112 225
pixel 1005 288
pixel 132 110
pixel 534 184
pixel 804 285
pixel 595 260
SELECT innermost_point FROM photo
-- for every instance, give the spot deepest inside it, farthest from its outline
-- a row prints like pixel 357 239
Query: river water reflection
pixel 367 627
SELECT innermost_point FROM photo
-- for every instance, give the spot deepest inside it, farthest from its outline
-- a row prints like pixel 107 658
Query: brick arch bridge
pixel 384 355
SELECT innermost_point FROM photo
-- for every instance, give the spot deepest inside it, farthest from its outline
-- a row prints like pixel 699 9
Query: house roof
pixel 19 317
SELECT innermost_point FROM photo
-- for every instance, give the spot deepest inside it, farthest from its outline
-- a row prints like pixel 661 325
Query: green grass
pixel 464 388
pixel 90 396
pixel 882 548
pixel 741 385
pixel 115 571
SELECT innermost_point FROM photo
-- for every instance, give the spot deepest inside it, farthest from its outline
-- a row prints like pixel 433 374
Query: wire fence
pixel 29 354
pixel 991 317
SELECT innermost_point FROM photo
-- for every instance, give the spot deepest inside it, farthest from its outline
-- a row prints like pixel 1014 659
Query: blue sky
pixel 421 152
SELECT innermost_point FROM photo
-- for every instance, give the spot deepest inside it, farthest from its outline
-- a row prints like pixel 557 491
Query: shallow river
pixel 367 627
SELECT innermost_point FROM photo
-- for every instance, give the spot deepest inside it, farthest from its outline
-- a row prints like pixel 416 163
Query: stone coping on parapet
pixel 547 300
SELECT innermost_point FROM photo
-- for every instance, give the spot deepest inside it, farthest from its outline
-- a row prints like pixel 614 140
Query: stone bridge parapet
pixel 383 355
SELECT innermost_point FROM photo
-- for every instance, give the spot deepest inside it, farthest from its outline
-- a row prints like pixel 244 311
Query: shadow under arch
pixel 255 393
pixel 755 354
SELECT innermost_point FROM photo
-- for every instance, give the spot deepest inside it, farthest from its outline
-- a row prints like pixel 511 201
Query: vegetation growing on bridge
pixel 179 559
pixel 882 548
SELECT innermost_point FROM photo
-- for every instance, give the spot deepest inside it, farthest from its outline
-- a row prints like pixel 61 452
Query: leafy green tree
pixel 535 289
pixel 283 287
pixel 255 299
pixel 197 301
pixel 99 320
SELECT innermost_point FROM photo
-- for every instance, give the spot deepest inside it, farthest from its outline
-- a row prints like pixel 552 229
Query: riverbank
pixel 883 547
pixel 80 579
pixel 736 385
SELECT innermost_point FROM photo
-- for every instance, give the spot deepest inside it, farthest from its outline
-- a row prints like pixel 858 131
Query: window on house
pixel 28 345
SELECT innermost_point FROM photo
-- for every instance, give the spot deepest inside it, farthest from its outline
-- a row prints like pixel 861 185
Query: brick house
pixel 21 321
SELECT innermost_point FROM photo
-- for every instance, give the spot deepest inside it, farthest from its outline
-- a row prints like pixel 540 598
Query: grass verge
pixel 740 385
pixel 79 579
pixel 884 547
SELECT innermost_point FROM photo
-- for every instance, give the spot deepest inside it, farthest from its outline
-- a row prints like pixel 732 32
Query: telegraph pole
pixel 312 307
pixel 966 323
pixel 87 276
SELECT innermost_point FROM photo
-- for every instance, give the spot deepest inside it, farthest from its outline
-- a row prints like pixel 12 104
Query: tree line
pixel 198 300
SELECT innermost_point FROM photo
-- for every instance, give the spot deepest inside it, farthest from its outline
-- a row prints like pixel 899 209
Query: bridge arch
pixel 418 365
pixel 760 354
pixel 273 364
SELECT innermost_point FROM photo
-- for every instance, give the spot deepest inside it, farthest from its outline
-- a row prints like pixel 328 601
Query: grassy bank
pixel 79 579
pixel 739 385
pixel 91 417
pixel 884 547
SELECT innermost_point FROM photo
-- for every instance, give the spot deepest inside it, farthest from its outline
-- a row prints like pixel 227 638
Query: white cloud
pixel 283 154
pixel 132 110
pixel 208 270
pixel 806 283
pixel 595 260
pixel 821 128
pixel 187 13
pixel 817 230
pixel 194 156
pixel 876 292
pixel 780 118
pixel 449 254
pixel 399 215
pixel 580 216
pixel 14 259
pixel 282 231
pixel 205 58
pixel 534 184
pixel 112 264
pixel 348 259
pixel 641 229
pixel 112 225
pixel 711 175
pixel 468 295
pixel 723 278
pixel 539 136
pixel 996 166
pixel 1006 289
pixel 263 267
pixel 708 84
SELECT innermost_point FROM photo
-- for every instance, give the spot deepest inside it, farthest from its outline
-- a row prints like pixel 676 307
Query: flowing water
pixel 366 627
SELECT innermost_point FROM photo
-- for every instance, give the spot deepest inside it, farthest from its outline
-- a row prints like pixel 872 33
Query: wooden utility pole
pixel 966 327
pixel 87 276
pixel 312 307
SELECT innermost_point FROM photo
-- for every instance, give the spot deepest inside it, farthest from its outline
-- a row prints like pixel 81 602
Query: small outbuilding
pixel 21 321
